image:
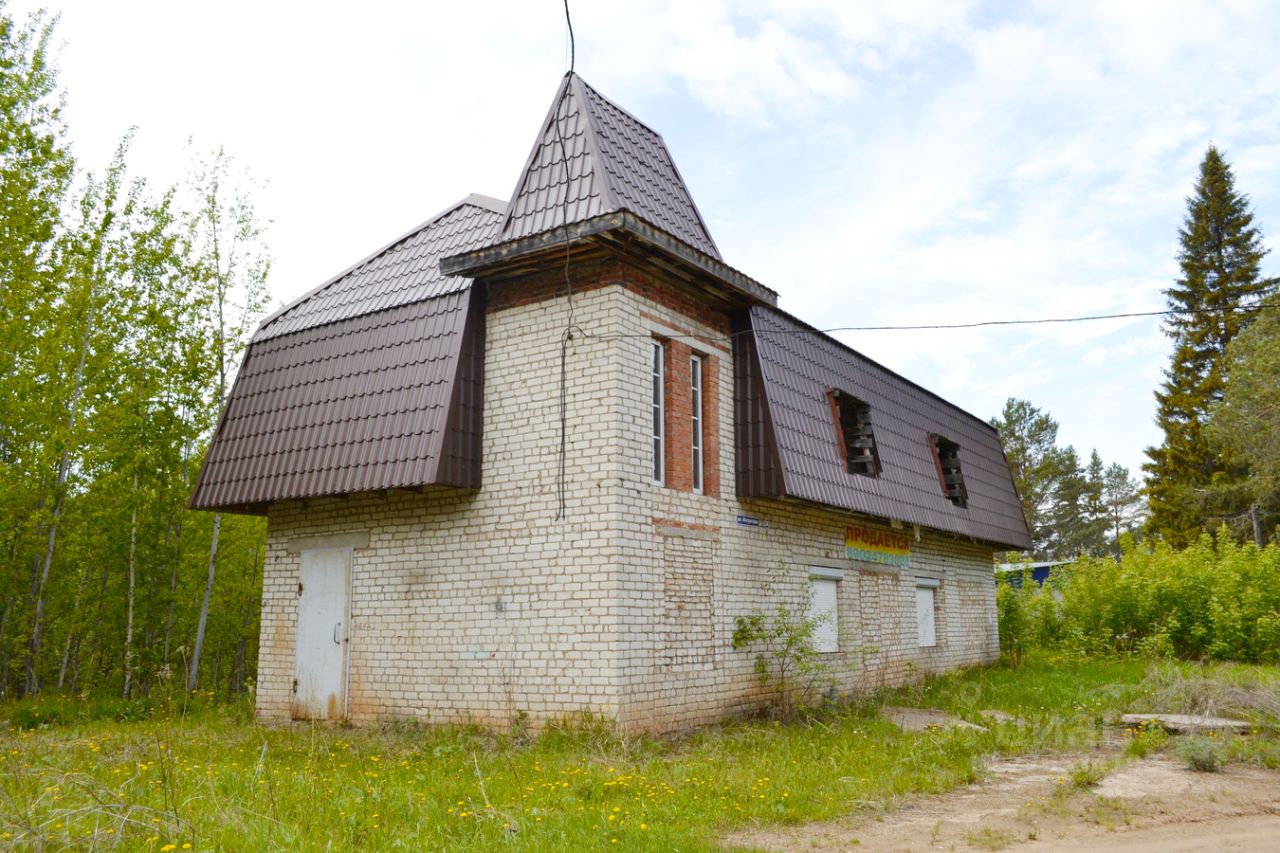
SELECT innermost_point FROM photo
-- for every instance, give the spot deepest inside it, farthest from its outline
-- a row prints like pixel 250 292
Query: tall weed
pixel 1214 600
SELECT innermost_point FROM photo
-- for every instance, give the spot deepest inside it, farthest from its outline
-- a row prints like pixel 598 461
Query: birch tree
pixel 35 173
pixel 230 267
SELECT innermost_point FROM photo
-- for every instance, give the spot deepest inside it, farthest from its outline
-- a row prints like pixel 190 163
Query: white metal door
pixel 319 688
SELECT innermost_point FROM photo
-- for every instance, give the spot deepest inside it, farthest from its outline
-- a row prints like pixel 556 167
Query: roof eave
pixel 997 541
pixel 493 259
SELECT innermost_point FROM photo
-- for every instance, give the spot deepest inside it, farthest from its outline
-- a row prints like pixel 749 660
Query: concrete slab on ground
pixel 1186 724
pixel 926 719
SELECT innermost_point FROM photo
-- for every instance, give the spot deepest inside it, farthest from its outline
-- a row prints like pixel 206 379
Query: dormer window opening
pixel 854 436
pixel 946 455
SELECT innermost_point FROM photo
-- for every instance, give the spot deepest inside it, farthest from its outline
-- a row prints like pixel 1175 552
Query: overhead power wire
pixel 1046 320
pixel 1243 309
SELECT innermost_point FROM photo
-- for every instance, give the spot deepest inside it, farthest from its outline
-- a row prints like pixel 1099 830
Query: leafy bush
pixel 1213 600
pixel 1014 620
pixel 786 655
pixel 1201 753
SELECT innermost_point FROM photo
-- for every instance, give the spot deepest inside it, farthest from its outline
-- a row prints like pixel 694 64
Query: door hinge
pixel 295 686
pixel 299 587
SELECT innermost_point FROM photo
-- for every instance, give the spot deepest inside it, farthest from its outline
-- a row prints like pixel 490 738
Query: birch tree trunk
pixel 64 470
pixel 128 629
pixel 176 556
pixel 193 676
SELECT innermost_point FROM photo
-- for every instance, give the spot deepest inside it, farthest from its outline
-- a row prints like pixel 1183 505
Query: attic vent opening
pixel 854 438
pixel 946 455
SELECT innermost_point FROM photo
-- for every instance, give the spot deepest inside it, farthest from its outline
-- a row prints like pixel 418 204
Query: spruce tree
pixel 1192 484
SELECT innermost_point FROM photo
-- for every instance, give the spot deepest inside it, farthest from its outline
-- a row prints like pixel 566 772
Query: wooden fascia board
pixel 481 262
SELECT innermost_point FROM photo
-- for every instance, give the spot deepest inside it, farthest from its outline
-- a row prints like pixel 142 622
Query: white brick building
pixel 534 460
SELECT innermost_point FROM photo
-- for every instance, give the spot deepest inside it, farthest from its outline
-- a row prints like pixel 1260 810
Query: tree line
pixel 1218 408
pixel 123 311
pixel 1072 507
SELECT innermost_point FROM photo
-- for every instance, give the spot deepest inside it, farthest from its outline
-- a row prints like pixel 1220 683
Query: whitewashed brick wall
pixel 481 606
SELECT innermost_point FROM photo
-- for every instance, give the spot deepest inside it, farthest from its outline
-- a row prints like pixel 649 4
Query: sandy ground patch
pixel 1027 805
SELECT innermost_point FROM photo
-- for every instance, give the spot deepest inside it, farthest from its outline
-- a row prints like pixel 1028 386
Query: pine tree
pixel 1029 437
pixel 1192 484
pixel 1122 499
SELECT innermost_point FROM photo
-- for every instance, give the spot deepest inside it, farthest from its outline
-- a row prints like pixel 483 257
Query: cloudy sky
pixel 876 163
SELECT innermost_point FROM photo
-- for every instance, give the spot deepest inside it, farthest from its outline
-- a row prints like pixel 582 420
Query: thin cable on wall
pixel 566 337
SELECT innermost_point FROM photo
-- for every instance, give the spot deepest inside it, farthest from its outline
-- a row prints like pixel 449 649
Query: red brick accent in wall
pixel 602 272
pixel 593 274
pixel 679 448
pixel 711 425
pixel 679 419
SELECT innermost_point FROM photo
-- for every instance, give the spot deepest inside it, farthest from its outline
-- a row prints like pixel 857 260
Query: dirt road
pixel 1030 806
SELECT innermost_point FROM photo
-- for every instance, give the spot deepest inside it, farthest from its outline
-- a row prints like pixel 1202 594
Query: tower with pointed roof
pixel 536 458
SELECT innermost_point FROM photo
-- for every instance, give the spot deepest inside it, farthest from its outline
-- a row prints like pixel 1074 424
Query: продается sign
pixel 877 546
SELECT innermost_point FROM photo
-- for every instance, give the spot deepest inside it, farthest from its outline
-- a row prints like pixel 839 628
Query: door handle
pixel 337 627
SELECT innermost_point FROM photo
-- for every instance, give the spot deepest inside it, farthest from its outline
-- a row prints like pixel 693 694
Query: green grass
pixel 214 781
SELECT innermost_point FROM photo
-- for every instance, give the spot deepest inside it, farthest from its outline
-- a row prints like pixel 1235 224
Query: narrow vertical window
pixel 926 603
pixel 658 411
pixel 695 387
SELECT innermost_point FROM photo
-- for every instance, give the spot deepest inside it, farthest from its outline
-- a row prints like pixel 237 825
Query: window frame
pixel 929 586
pixel 826 634
pixel 658 412
pixel 697 421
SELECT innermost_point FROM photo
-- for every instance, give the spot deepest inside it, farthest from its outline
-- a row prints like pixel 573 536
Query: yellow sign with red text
pixel 886 547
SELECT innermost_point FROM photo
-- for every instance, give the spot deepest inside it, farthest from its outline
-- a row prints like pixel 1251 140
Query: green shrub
pixel 1202 754
pixel 1087 774
pixel 1014 621
pixel 1215 599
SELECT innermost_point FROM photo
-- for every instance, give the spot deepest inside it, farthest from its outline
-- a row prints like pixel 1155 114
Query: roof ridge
pixel 662 142
pixel 611 102
pixel 609 201
pixel 533 152
pixel 625 165
pixel 473 199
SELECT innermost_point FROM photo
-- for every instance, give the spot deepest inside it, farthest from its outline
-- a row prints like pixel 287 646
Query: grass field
pixel 214 780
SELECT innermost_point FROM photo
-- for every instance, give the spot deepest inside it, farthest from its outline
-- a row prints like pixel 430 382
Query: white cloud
pixel 915 161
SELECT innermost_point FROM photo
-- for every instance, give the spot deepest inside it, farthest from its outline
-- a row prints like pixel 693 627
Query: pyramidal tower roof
pixel 592 157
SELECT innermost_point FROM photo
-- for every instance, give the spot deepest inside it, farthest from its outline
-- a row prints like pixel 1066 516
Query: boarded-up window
pixel 946 455
pixel 926 602
pixel 854 437
pixel 688 624
pixel 824 601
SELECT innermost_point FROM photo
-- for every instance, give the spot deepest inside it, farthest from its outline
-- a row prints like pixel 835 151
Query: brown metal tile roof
pixel 405 270
pixel 361 404
pixel 784 421
pixel 368 382
pixel 615 162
